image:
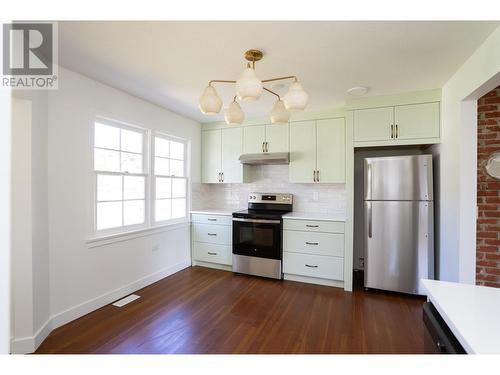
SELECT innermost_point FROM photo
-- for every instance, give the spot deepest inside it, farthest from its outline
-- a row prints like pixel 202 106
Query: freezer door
pixel 398 178
pixel 399 245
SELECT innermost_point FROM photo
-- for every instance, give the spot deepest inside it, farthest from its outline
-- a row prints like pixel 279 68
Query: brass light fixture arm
pixel 280 79
pixel 219 81
pixel 272 92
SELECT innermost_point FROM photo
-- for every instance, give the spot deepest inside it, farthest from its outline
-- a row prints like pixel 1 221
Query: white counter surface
pixel 215 211
pixel 312 216
pixel 471 312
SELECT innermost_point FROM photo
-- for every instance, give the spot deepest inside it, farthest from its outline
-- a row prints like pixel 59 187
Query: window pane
pixel 163 187
pixel 109 215
pixel 176 168
pixel 178 208
pixel 178 188
pixel 161 147
pixel 109 188
pixel 161 167
pixel 162 209
pixel 106 136
pixel 131 163
pixel 133 187
pixel 133 212
pixel 176 150
pixel 131 141
pixel 105 160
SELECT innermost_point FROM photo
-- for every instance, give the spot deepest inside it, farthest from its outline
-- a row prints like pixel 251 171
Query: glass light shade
pixel 248 87
pixel 233 114
pixel 210 103
pixel 279 114
pixel 296 98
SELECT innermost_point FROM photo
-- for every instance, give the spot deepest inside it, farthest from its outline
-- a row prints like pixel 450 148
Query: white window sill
pixel 125 236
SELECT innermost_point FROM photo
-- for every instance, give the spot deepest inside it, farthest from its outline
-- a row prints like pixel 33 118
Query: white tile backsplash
pixel 331 198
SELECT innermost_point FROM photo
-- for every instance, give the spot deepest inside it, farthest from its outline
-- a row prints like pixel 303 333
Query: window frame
pixel 168 137
pixel 148 174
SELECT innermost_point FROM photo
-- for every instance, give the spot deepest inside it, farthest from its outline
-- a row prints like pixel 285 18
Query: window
pixel 170 183
pixel 124 175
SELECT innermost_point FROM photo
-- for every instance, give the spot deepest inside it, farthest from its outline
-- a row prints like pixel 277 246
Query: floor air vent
pixel 126 300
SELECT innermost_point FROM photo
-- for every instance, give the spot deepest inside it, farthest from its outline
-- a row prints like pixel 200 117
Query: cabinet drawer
pixel 212 253
pixel 212 233
pixel 331 244
pixel 211 219
pixel 314 226
pixel 320 266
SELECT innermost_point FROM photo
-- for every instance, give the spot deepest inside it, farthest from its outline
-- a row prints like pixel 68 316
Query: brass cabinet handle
pixel 392 131
pixel 212 253
pixel 222 177
pixel 312 243
pixel 317 175
pixel 397 131
pixel 212 234
pixel 267 147
pixel 312 226
pixel 263 147
pixel 314 176
pixel 210 219
pixel 311 266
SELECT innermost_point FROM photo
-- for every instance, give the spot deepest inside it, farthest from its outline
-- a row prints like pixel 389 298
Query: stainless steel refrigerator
pixel 399 222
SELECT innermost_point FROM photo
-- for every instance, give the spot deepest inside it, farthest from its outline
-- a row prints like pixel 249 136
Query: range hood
pixel 266 158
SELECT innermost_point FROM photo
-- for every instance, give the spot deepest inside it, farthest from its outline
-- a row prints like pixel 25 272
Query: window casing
pixel 131 172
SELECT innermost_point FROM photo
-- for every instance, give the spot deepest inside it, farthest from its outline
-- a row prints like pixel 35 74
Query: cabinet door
pixel 373 124
pixel 302 151
pixel 232 146
pixel 210 155
pixel 330 145
pixel 277 138
pixel 253 139
pixel 417 121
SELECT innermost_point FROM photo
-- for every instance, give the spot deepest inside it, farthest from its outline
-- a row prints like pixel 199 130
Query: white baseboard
pixel 314 280
pixel 26 345
pixel 217 266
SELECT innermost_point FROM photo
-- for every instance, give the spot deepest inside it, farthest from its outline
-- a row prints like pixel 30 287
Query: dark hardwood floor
pixel 201 310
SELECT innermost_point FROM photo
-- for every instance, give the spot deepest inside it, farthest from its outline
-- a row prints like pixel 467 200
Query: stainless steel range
pixel 258 235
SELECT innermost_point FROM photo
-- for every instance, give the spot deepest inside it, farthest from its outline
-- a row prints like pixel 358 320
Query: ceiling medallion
pixel 249 89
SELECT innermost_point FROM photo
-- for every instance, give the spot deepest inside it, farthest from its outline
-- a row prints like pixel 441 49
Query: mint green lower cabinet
pixel 302 151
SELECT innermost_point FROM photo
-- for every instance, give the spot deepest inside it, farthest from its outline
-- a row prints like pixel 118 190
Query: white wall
pixel 5 219
pixel 456 155
pixel 84 278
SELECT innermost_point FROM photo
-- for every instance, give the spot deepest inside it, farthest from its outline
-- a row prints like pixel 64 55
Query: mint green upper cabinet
pixel 277 138
pixel 373 124
pixel 330 150
pixel 317 151
pixel 253 139
pixel 302 151
pixel 211 155
pixel 417 121
pixel 232 147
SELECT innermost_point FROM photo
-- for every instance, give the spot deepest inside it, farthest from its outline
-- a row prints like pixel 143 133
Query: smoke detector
pixel 357 91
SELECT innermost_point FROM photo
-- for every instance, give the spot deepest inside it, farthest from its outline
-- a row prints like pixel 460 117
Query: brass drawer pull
pixel 312 243
pixel 312 226
pixel 311 266
pixel 212 234
pixel 212 253
pixel 210 219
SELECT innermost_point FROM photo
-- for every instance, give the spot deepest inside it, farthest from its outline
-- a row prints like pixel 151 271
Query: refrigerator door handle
pixel 369 219
pixel 368 182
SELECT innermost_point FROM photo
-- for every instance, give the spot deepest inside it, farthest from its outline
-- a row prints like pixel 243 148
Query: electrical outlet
pixel 156 247
pixel 361 262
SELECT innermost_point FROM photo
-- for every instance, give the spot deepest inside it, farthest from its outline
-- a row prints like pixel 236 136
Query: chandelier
pixel 249 88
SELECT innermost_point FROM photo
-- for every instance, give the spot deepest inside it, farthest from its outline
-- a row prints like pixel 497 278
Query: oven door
pixel 257 237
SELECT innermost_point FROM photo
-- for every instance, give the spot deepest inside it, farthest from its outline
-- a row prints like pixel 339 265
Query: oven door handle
pixel 263 221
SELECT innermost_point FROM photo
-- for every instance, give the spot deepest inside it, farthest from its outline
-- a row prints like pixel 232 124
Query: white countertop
pixel 215 211
pixel 312 216
pixel 471 312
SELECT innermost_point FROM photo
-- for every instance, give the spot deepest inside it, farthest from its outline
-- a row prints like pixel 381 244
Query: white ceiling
pixel 170 63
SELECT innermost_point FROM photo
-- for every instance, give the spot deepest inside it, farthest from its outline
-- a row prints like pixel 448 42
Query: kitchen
pixel 256 201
